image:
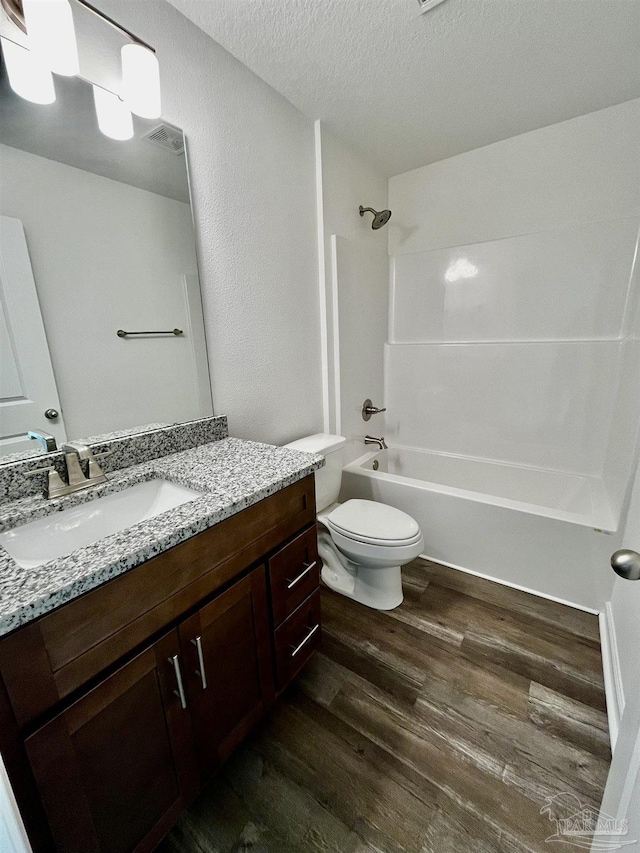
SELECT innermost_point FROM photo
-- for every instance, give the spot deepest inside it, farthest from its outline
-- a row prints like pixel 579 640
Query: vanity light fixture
pixel 51 34
pixel 114 117
pixel 28 75
pixel 51 46
pixel 141 80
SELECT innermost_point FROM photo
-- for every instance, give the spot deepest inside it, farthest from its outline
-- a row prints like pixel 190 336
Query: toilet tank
pixel 329 477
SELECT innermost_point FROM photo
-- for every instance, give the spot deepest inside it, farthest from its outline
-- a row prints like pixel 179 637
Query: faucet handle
pixel 54 481
pixel 95 471
pixel 369 409
pixel 35 471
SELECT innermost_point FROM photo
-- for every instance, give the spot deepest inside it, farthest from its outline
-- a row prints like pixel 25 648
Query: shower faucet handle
pixel 369 409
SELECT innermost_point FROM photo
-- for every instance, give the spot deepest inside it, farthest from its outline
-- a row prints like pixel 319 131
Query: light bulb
pixel 141 80
pixel 28 76
pixel 114 119
pixel 52 35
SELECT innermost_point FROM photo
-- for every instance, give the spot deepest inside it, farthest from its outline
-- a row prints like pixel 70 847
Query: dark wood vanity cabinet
pixel 116 768
pixel 228 668
pixel 116 708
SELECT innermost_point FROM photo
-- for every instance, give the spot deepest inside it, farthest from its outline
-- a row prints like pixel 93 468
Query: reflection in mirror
pixel 96 236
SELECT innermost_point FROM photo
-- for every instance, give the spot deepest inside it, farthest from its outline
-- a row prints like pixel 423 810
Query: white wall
pixel 107 256
pixel 511 270
pixel 355 287
pixel 251 156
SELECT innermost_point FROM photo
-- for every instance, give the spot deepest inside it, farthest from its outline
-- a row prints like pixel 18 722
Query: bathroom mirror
pixel 96 247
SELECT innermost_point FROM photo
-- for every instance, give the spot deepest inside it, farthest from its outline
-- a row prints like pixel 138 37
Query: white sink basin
pixel 60 533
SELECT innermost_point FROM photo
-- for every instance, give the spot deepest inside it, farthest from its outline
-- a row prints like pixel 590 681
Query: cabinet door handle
pixel 180 691
pixel 306 640
pixel 200 672
pixel 307 569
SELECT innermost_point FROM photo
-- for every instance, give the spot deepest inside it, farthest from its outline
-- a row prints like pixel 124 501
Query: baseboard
pixel 511 585
pixel 613 686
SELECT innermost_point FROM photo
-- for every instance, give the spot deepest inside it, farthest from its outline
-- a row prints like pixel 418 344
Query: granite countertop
pixel 232 473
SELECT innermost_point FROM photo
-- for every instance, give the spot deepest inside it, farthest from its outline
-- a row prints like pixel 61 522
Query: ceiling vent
pixel 167 137
pixel 426 5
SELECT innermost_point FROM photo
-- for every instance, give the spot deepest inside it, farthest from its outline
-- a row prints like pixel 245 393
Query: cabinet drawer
pixel 297 638
pixel 294 573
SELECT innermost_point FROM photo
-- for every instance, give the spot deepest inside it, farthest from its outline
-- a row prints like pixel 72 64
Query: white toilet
pixel 362 544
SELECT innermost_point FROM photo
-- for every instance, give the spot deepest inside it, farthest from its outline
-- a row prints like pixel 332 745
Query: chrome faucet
pixel 47 440
pixel 74 453
pixel 382 444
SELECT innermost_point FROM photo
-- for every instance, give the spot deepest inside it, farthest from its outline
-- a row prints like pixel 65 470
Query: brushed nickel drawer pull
pixel 201 672
pixel 305 641
pixel 180 691
pixel 307 569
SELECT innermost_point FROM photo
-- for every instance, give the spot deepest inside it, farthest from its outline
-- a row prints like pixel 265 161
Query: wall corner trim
pixel 613 686
pixel 322 279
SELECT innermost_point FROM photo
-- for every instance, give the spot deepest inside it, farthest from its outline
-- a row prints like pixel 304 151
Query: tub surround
pixel 233 474
pixel 512 358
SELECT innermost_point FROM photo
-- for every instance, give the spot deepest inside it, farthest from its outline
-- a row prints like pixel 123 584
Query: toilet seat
pixel 372 523
pixel 369 540
pixel 372 554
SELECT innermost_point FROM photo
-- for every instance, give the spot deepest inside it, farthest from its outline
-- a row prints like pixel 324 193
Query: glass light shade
pixel 141 80
pixel 28 75
pixel 52 34
pixel 114 118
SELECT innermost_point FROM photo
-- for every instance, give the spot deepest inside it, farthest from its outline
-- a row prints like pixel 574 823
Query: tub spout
pixel 382 444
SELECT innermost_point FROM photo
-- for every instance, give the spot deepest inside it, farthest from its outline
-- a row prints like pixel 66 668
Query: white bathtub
pixel 542 531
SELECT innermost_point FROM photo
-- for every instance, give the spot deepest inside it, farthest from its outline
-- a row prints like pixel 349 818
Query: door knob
pixel 626 564
pixel 51 414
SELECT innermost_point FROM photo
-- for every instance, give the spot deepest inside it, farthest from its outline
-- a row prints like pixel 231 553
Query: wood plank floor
pixel 441 727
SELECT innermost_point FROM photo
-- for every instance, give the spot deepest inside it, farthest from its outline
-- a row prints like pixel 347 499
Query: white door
pixel 622 794
pixel 27 383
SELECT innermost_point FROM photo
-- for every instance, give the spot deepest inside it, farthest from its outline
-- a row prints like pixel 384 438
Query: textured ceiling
pixel 408 89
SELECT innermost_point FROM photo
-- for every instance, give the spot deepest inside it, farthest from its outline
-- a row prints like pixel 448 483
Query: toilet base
pixel 379 588
pixel 385 596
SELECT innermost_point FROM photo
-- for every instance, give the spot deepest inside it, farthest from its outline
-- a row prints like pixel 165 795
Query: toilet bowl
pixel 362 544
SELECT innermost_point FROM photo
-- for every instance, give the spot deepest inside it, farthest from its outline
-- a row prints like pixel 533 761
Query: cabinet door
pixel 227 652
pixel 115 769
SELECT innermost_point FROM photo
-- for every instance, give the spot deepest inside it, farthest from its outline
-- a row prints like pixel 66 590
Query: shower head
pixel 380 217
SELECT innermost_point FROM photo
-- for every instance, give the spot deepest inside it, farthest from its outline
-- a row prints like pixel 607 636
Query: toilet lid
pixel 371 521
